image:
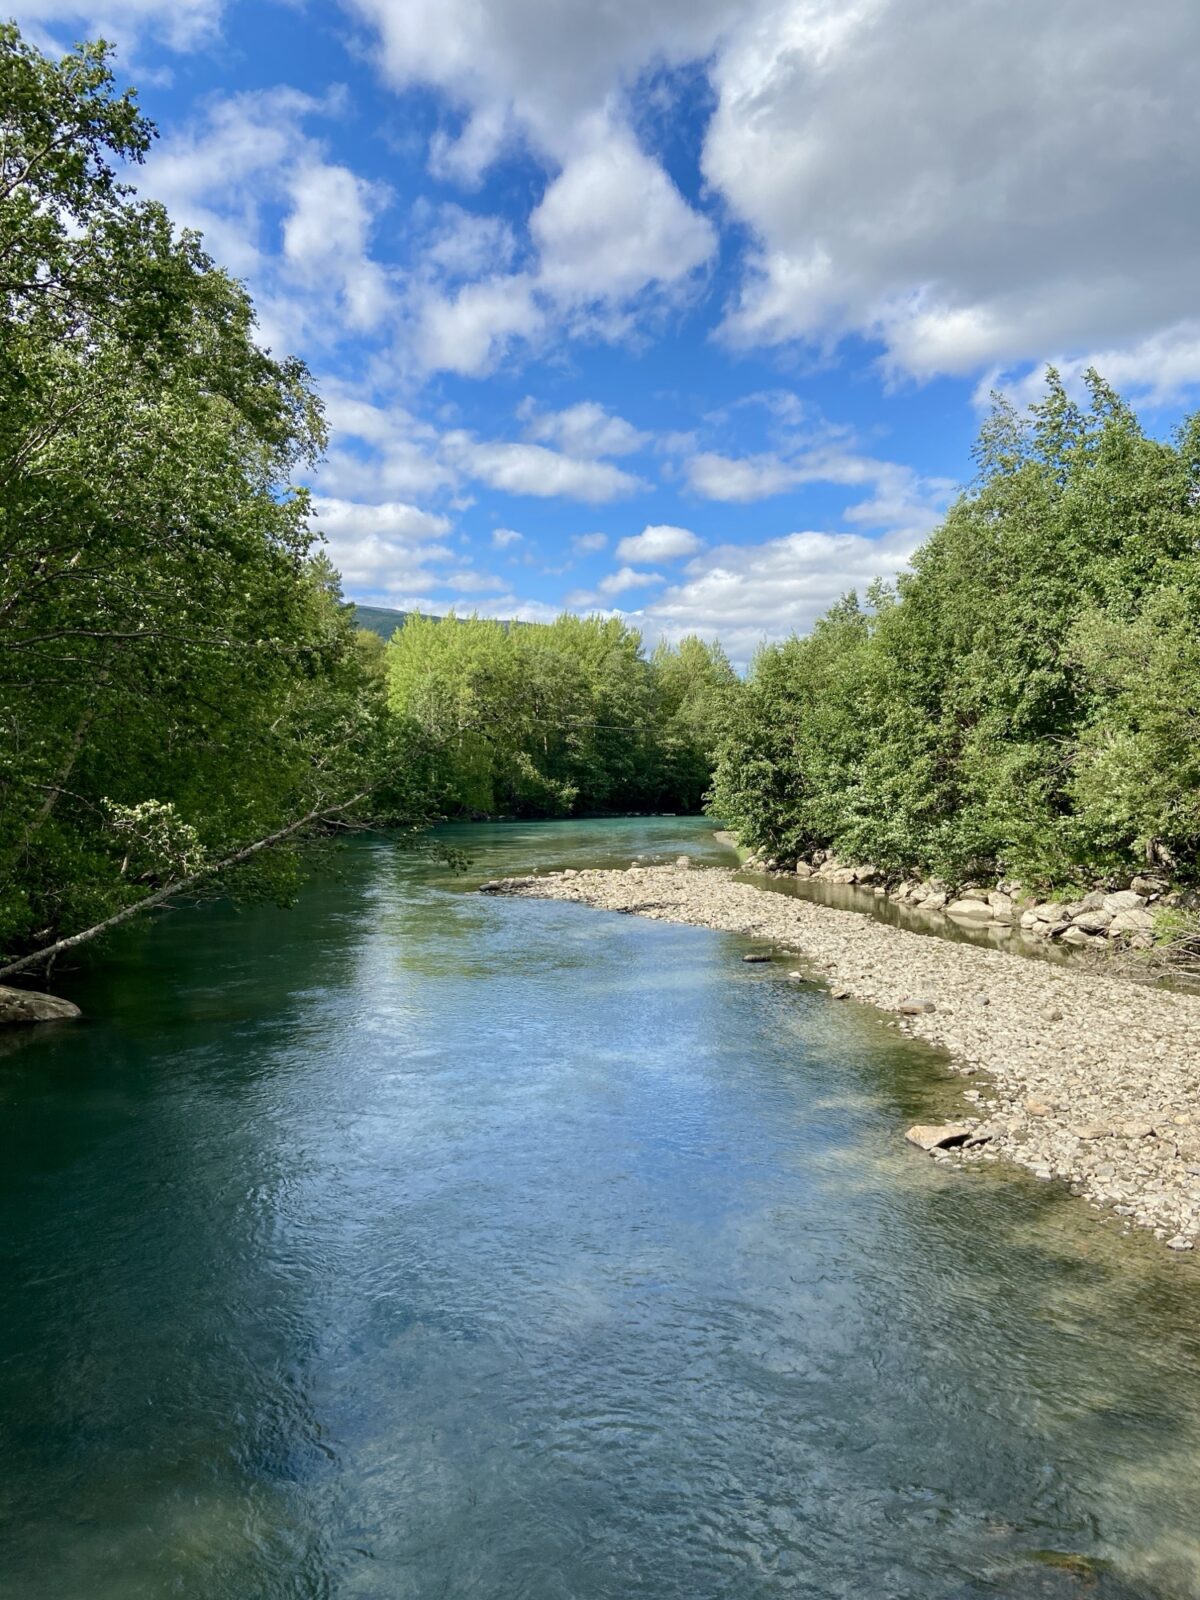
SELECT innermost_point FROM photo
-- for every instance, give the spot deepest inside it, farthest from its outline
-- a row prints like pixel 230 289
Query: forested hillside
pixel 1027 700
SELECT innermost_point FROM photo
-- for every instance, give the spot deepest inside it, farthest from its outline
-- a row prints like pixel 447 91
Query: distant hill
pixel 384 622
pixel 380 620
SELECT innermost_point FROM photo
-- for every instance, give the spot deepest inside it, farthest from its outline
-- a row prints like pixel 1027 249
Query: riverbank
pixel 1089 1079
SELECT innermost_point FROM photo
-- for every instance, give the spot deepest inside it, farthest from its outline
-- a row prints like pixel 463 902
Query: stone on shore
pixel 27 1005
pixel 938 1136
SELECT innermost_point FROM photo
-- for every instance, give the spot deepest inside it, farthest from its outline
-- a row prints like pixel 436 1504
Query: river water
pixel 413 1244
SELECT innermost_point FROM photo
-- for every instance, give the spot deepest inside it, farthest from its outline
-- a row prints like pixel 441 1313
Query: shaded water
pixel 417 1244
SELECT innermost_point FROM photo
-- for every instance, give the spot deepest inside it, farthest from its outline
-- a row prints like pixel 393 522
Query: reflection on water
pixel 415 1244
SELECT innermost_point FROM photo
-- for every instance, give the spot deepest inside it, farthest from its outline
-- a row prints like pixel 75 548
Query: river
pixel 416 1245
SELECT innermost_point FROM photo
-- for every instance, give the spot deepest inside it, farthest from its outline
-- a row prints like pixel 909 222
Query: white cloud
pixel 179 24
pixel 382 550
pixel 1157 370
pixel 584 429
pixel 939 189
pixel 532 469
pixel 470 331
pixel 326 238
pixel 505 538
pixel 658 543
pixel 612 223
pixel 971 196
pixel 588 543
pixel 747 593
pixel 627 578
pixel 394 519
pixel 275 211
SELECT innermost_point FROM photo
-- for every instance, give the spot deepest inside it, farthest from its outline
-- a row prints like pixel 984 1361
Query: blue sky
pixel 682 309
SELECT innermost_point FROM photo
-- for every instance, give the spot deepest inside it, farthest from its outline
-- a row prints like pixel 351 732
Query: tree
pixel 178 677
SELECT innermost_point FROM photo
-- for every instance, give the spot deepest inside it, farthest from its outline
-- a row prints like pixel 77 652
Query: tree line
pixel 1026 700
pixel 560 719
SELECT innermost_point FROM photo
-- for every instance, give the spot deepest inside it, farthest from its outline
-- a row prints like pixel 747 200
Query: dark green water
pixel 417 1244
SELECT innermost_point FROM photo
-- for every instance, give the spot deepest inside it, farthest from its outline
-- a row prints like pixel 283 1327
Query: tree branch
pixel 180 886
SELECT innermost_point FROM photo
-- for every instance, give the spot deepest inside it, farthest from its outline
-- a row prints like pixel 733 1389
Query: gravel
pixel 1089 1079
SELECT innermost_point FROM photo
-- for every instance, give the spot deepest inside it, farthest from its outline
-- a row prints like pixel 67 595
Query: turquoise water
pixel 419 1244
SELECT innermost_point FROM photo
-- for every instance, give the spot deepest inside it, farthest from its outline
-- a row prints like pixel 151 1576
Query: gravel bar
pixel 1090 1079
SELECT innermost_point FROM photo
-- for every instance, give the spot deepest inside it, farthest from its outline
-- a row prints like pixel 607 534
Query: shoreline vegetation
pixel 1080 1076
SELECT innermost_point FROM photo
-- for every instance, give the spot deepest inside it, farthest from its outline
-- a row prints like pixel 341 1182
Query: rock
pixel 1073 936
pixel 934 901
pixel 1132 922
pixel 1148 887
pixel 493 887
pixel 915 1007
pixel 839 994
pixel 938 1136
pixel 1138 1130
pixel 1092 1130
pixel 28 1005
pixel 973 892
pixel 1094 920
pixel 1125 900
pixel 1038 1108
pixel 970 910
pixel 683 861
pixel 803 870
pixel 753 960
pixel 569 872
pixel 1094 901
pixel 867 874
pixel 1181 1242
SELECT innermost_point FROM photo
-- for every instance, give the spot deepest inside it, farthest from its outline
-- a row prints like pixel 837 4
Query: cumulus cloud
pixel 532 469
pixel 745 594
pixel 382 550
pixel 505 538
pixel 470 331
pixel 935 189
pixel 612 222
pixel 661 542
pixel 179 24
pixel 939 189
pixel 584 429
pixel 627 578
pixel 273 209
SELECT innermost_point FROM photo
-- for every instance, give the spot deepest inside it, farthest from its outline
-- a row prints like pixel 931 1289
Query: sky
pixel 681 310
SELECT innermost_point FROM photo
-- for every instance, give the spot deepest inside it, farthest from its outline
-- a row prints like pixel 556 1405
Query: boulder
pixel 1125 900
pixel 1147 886
pixel 1094 920
pixel 970 910
pixel 754 960
pixel 938 1136
pixel 915 1007
pixel 934 901
pixel 1132 922
pixel 682 861
pixel 27 1005
pixel 1074 936
pixel 803 870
